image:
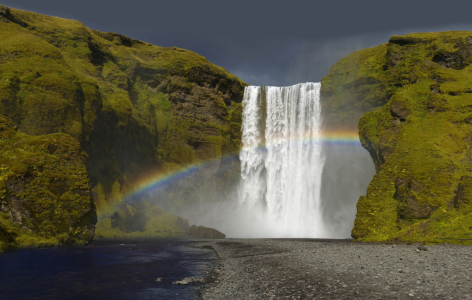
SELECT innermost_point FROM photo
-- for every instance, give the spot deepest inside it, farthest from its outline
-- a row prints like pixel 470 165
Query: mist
pixel 346 174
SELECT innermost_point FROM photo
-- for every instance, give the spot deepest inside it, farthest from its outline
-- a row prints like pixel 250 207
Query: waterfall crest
pixel 281 159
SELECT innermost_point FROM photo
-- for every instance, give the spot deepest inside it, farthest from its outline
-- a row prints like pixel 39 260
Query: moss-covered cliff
pixel 134 108
pixel 417 92
pixel 45 198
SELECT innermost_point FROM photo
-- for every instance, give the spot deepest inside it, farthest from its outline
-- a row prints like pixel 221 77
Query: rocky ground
pixel 326 269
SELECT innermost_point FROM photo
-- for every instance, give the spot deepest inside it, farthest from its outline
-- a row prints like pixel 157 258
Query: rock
pixel 463 192
pixel 201 232
pixel 422 248
pixel 4 10
pixel 403 40
pixel 188 280
pixel 458 59
pixel 437 103
pixel 408 193
pixel 399 110
pixel 435 88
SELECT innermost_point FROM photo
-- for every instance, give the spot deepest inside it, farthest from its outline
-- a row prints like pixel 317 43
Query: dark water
pixel 104 270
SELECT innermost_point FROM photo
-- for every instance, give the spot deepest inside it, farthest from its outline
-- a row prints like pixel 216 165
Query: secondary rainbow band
pixel 158 180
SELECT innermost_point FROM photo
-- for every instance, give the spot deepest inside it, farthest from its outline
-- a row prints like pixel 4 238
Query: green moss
pixel 13 236
pixel 418 135
pixel 44 186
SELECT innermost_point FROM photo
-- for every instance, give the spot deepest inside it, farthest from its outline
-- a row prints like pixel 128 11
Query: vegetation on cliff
pixel 45 198
pixel 134 108
pixel 417 92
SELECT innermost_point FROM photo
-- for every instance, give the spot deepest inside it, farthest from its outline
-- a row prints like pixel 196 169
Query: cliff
pixel 135 109
pixel 45 198
pixel 414 95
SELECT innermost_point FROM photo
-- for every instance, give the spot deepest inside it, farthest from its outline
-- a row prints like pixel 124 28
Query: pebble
pixel 317 269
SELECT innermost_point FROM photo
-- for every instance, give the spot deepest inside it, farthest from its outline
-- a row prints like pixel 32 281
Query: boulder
pixel 188 280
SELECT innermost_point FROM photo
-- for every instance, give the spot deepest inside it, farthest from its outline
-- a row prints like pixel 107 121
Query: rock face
pixel 135 109
pixel 201 232
pixel 416 90
pixel 45 197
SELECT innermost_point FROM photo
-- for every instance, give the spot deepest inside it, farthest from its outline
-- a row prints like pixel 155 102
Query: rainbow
pixel 156 180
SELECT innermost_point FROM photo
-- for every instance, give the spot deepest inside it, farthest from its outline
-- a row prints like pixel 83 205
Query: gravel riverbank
pixel 327 269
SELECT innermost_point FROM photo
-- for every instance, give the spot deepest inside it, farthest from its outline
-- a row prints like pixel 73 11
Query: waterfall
pixel 281 159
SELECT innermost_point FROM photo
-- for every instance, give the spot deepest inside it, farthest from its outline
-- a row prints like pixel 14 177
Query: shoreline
pixel 335 269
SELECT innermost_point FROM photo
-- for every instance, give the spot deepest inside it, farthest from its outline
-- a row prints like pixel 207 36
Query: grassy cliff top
pixel 366 79
pixel 78 40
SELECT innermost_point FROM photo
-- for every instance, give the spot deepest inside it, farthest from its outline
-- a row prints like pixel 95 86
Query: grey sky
pixel 263 42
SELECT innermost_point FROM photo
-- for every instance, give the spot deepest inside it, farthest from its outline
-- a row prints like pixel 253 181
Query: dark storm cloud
pixel 263 42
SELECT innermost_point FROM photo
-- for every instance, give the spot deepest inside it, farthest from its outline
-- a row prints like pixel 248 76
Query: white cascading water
pixel 281 160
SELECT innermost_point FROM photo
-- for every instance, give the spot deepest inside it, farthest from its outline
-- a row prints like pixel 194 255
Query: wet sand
pixel 336 269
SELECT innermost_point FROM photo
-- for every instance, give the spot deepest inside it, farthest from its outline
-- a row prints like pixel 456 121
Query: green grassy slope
pixel 135 108
pixel 418 91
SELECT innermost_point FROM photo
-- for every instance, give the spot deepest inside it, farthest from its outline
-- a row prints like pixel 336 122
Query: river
pixel 105 269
